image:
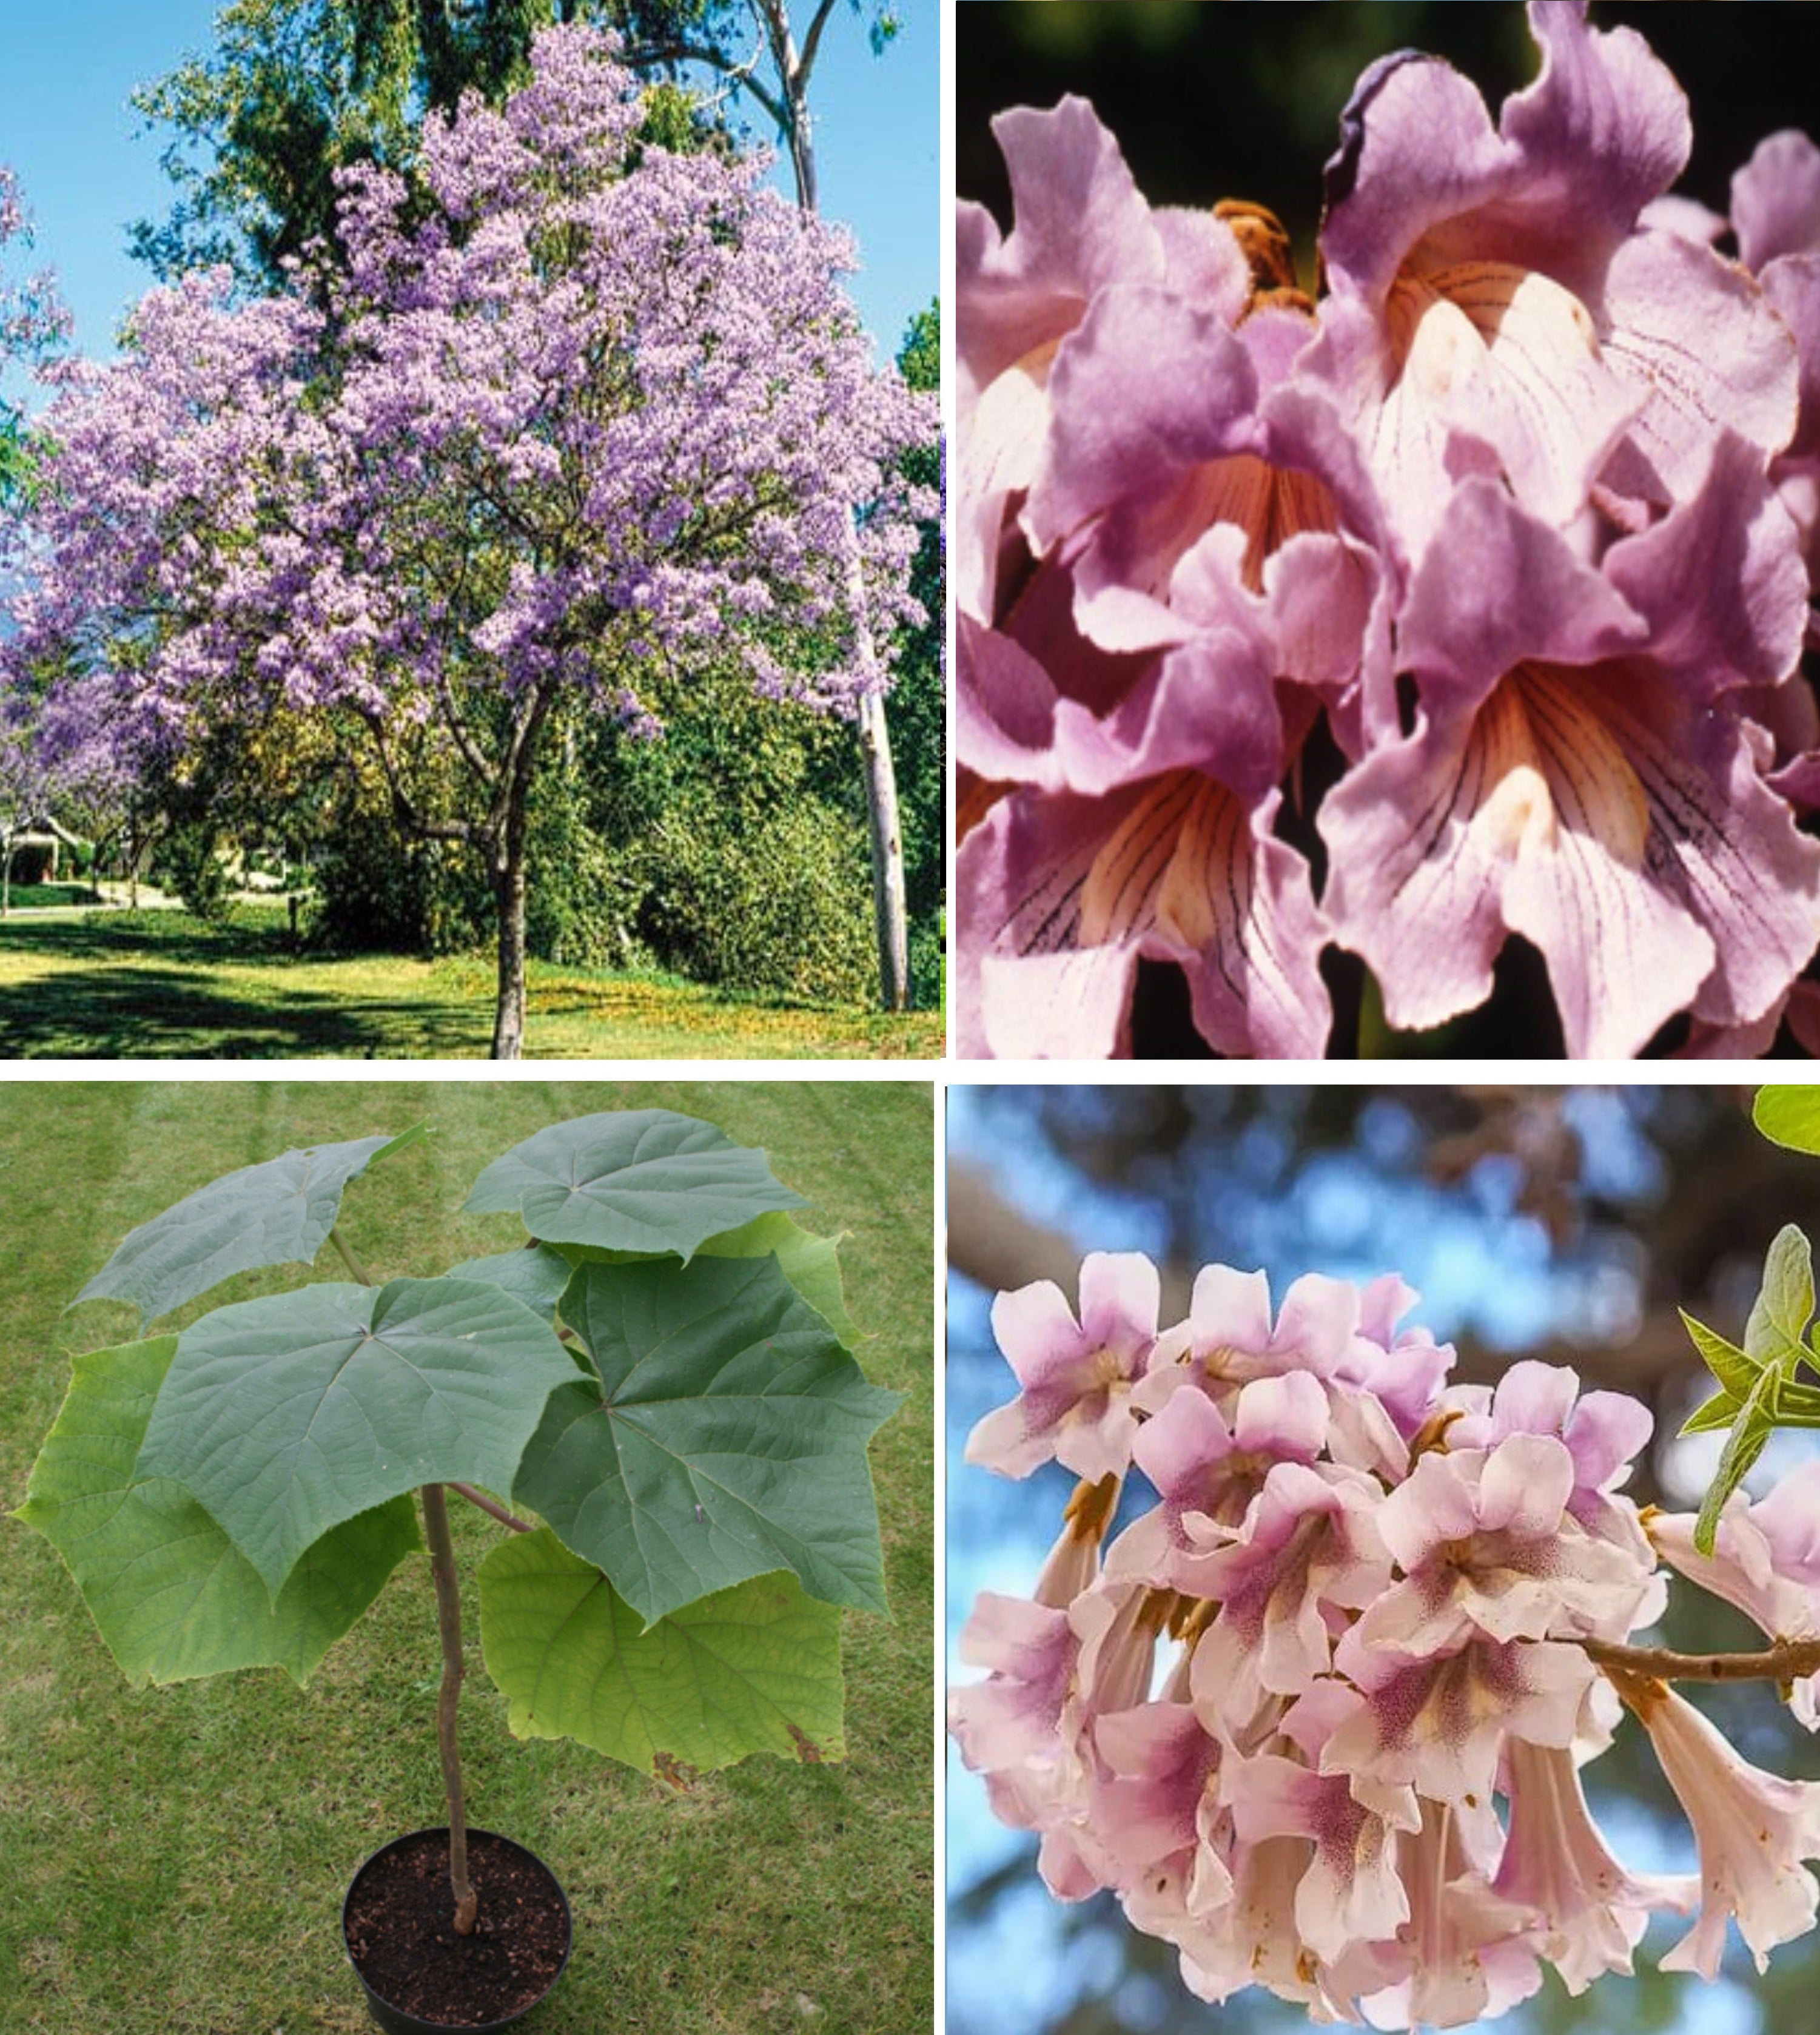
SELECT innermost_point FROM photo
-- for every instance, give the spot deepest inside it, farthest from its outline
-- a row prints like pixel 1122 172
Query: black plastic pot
pixel 394 2019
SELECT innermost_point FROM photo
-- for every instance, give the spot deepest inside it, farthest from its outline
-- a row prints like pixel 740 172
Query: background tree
pixel 1565 1224
pixel 915 711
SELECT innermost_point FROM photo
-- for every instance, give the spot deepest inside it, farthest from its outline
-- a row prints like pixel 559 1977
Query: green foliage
pixel 722 1433
pixel 1789 1116
pixel 916 711
pixel 276 1213
pixel 1758 1390
pixel 752 1669
pixel 631 1180
pixel 172 1596
pixel 187 861
pixel 296 91
pixel 238 1495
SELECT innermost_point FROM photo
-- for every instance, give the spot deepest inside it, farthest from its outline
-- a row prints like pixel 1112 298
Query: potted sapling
pixel 652 1397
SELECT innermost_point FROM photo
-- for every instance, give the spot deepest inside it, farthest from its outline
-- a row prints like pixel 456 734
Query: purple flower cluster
pixel 1276 1715
pixel 1523 509
pixel 567 416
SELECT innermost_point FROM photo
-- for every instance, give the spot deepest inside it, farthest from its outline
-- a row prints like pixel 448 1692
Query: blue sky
pixel 89 169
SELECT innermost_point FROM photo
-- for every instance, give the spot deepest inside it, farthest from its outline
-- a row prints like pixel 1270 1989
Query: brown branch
pixel 488 1505
pixel 1787 1661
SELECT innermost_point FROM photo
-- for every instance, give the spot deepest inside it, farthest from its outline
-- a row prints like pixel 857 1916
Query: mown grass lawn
pixel 161 985
pixel 175 1858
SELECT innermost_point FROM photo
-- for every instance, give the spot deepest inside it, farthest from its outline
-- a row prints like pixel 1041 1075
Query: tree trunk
pixel 889 909
pixel 508 901
pixel 454 1666
pixel 887 837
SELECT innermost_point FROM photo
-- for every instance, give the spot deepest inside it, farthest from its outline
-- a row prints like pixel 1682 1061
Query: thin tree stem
pixel 1787 1661
pixel 347 1258
pixel 449 1624
pixel 486 1505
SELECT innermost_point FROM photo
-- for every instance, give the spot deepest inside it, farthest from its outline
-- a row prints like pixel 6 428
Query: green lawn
pixel 176 1857
pixel 160 985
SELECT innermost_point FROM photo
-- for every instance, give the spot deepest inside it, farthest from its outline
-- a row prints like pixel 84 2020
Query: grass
pixel 163 985
pixel 175 1858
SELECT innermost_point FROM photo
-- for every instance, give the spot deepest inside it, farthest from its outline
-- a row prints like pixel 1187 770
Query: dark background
pixel 1565 1223
pixel 1215 98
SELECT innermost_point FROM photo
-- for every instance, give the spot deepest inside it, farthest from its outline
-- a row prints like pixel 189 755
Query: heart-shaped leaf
pixel 756 1668
pixel 287 1414
pixel 276 1213
pixel 171 1594
pixel 725 1438
pixel 639 1180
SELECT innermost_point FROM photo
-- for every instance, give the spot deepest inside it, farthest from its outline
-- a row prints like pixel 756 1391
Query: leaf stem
pixel 448 1625
pixel 1787 1661
pixel 347 1258
pixel 488 1505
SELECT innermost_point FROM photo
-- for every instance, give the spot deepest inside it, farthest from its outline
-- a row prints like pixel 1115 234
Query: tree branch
pixel 1787 1661
pixel 486 1505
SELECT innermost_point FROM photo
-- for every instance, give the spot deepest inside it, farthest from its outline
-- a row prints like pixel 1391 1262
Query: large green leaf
pixel 1790 1116
pixel 276 1213
pixel 811 1263
pixel 726 1438
pixel 287 1414
pixel 171 1595
pixel 639 1179
pixel 752 1669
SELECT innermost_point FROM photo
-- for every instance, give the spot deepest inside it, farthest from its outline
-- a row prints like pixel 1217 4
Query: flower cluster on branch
pixel 1466 601
pixel 1277 1712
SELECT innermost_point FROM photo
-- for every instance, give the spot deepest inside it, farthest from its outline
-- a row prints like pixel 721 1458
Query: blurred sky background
pixel 89 168
pixel 1564 1222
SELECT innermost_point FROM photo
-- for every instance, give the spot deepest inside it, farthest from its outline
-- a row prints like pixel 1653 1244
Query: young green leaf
pixel 287 1414
pixel 1715 1413
pixel 1735 1371
pixel 274 1213
pixel 727 1438
pixel 1784 1302
pixel 756 1668
pixel 1789 1116
pixel 171 1596
pixel 1756 1422
pixel 640 1180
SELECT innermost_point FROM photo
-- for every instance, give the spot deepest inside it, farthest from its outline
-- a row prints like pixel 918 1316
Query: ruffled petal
pixel 1694 334
pixel 1776 199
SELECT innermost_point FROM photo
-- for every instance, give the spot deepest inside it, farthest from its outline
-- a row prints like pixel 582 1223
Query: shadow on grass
pixel 174 936
pixel 119 1012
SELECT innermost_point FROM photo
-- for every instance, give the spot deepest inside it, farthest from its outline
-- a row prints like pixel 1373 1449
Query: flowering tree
pixel 570 412
pixel 1275 1714
pixel 1493 563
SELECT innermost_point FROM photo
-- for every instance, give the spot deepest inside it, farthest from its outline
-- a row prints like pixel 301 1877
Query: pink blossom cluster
pixel 1465 602
pixel 1277 1713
